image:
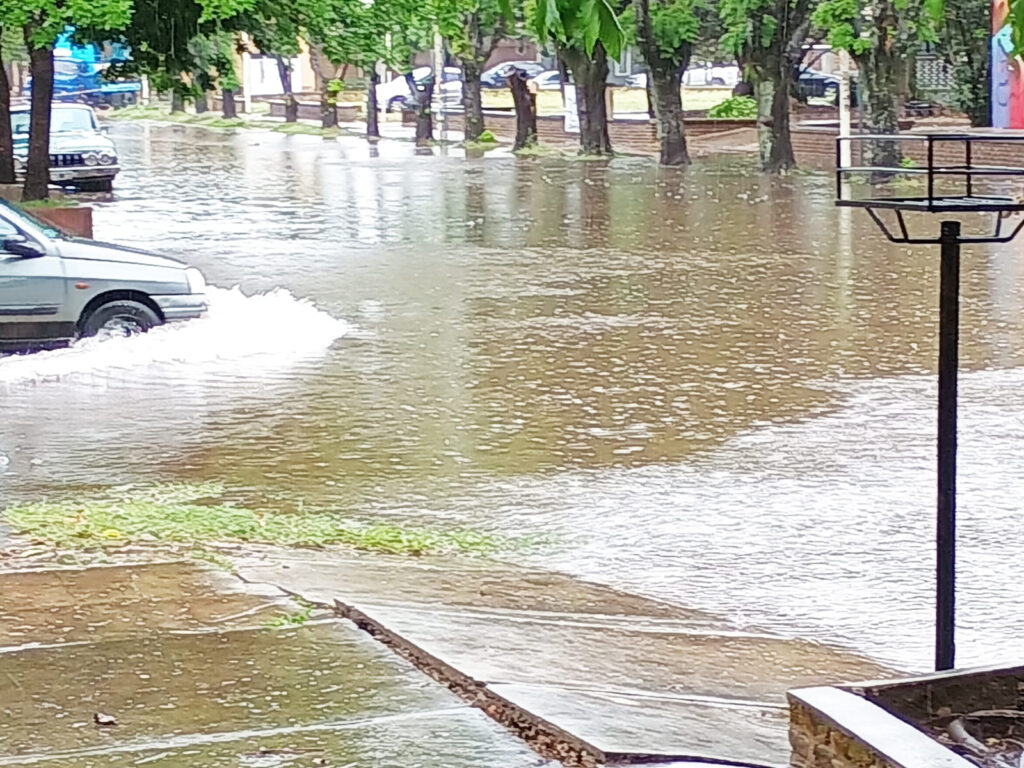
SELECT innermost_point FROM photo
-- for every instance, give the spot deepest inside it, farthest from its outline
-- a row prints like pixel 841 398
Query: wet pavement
pixel 199 677
pixel 626 676
pixel 705 386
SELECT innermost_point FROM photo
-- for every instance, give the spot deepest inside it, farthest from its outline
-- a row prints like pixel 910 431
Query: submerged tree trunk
pixel 472 98
pixel 372 115
pixel 328 110
pixel 6 136
pixel 227 103
pixel 591 75
pixel 424 117
pixel 37 171
pixel 668 107
pixel 773 137
pixel 526 110
pixel 877 70
pixel 664 84
pixel 291 105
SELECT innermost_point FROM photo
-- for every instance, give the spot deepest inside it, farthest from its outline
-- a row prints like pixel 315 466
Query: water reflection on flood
pixel 707 385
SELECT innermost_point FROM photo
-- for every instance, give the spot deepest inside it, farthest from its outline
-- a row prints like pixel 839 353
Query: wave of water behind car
pixel 239 333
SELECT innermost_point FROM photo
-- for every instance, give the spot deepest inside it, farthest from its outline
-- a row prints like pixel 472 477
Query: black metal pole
pixel 945 554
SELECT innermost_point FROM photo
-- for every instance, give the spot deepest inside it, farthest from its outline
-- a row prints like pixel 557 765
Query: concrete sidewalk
pixel 584 673
pixel 185 667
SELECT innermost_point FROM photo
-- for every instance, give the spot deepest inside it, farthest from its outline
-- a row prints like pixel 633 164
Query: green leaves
pixel 579 24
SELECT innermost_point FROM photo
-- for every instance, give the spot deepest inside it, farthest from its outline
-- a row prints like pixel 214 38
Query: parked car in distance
pixel 694 76
pixel 55 289
pixel 80 154
pixel 394 94
pixel 712 74
pixel 549 80
pixel 497 76
pixel 821 87
pixel 636 80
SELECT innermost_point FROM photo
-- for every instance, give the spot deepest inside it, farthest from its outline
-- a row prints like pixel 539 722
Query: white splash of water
pixel 239 334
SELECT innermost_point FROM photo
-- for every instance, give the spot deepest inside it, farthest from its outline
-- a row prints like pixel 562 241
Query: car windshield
pixel 62 120
pixel 19 217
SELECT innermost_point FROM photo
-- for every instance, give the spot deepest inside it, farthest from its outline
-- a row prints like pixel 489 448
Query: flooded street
pixel 708 386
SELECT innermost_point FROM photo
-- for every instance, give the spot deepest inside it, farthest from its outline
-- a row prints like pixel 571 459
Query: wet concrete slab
pixel 215 685
pixel 624 676
pixel 61 605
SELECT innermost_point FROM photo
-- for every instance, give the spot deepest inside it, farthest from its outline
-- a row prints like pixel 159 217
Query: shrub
pixel 734 107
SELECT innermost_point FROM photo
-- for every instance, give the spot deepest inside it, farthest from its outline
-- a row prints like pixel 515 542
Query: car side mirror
pixel 20 245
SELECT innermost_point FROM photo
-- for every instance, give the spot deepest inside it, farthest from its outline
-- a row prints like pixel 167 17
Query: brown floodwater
pixel 706 385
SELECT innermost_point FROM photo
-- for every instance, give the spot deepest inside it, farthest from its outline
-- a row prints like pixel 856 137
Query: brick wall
pixel 627 135
pixel 815 147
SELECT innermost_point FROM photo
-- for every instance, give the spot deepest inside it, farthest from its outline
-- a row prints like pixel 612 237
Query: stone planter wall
pixel 885 724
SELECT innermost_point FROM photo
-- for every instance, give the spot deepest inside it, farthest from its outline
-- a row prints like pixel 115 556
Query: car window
pixel 451 77
pixel 61 120
pixel 71 120
pixel 19 123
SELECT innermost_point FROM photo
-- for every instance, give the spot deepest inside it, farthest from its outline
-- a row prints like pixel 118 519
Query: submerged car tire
pixel 119 318
pixel 95 185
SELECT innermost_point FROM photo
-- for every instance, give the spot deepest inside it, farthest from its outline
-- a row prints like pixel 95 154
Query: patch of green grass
pixel 190 514
pixel 51 202
pixel 294 619
pixel 541 150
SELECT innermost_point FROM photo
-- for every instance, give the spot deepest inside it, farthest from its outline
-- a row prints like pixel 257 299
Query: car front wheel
pixel 118 319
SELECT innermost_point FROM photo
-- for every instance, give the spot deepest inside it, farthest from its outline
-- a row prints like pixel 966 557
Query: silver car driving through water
pixel 55 289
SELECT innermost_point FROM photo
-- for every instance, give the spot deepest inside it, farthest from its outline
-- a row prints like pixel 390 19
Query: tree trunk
pixel 472 99
pixel 6 137
pixel 773 137
pixel 227 103
pixel 668 108
pixel 526 110
pixel 878 74
pixel 649 91
pixel 177 101
pixel 591 75
pixel 424 117
pixel 328 110
pixel 37 172
pixel 291 105
pixel 372 116
pixel 664 84
pixel 202 103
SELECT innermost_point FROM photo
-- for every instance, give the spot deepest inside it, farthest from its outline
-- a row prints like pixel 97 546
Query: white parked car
pixel 550 80
pixel 712 74
pixel 394 94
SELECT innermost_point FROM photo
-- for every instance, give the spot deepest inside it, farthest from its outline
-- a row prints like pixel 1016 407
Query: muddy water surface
pixel 707 386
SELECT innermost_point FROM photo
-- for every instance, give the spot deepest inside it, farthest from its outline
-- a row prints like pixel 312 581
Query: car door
pixel 33 295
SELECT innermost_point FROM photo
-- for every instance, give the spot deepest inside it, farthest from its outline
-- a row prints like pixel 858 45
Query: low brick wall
pixel 629 135
pixel 310 110
pixel 75 221
pixel 815 147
